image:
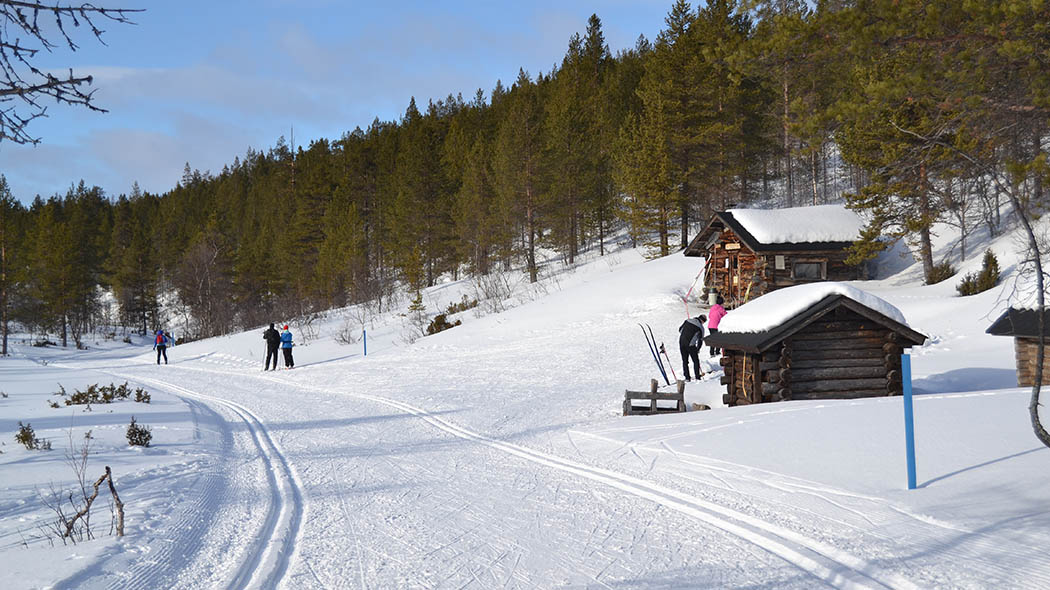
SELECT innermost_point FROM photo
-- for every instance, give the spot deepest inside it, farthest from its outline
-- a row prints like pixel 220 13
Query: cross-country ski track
pixel 269 560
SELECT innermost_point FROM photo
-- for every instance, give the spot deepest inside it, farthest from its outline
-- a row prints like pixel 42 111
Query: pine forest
pixel 916 112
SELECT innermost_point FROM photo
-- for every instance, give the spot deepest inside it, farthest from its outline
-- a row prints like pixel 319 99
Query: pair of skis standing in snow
pixel 275 340
pixel 690 339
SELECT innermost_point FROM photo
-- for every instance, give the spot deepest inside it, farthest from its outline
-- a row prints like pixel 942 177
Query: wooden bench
pixel 653 396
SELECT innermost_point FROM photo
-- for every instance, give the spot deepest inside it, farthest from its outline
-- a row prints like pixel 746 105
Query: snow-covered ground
pixel 494 455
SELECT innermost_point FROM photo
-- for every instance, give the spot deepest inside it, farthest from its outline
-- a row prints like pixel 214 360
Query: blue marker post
pixel 909 419
pixel 364 338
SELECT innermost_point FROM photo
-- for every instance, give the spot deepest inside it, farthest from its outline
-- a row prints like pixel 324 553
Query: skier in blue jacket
pixel 160 344
pixel 286 347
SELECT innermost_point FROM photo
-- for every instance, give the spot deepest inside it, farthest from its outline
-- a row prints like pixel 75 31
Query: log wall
pixel 1025 353
pixel 742 378
pixel 741 275
pixel 841 355
pixel 732 269
pixel 835 267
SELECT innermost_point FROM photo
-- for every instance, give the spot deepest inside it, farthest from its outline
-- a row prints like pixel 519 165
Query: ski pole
pixel 685 299
pixel 664 352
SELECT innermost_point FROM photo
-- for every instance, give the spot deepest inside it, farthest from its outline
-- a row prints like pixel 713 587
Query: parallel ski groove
pixel 815 557
pixel 269 560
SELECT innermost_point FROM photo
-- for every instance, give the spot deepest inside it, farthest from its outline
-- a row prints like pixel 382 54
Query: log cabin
pixel 1023 325
pixel 819 341
pixel 750 252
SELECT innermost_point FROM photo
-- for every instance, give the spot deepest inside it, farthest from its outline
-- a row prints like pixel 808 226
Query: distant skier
pixel 273 342
pixel 690 335
pixel 286 346
pixel 717 312
pixel 160 344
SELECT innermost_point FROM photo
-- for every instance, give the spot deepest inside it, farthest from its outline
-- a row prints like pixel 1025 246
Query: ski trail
pixel 834 566
pixel 269 557
pixel 712 465
pixel 154 570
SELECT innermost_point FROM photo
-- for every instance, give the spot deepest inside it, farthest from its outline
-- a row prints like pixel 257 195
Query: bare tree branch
pixel 21 82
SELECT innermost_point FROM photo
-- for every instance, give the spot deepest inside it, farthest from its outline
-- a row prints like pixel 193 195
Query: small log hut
pixel 837 348
pixel 1023 325
pixel 741 267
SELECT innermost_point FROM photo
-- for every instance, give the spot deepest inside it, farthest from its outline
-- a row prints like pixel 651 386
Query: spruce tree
pixel 669 94
pixel 10 210
pixel 899 124
pixel 517 161
pixel 52 267
pixel 132 266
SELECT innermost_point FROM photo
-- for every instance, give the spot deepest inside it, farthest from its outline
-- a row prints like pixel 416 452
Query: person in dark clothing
pixel 690 335
pixel 286 347
pixel 273 342
pixel 160 344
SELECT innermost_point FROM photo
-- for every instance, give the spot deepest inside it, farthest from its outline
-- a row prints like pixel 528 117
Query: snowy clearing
pixel 494 455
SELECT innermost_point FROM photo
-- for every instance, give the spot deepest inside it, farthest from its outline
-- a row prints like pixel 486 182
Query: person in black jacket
pixel 273 341
pixel 690 335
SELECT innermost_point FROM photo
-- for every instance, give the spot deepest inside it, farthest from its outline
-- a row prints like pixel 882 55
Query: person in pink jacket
pixel 714 316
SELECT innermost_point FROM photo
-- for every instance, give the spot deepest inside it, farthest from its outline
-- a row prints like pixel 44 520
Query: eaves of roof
pixel 756 342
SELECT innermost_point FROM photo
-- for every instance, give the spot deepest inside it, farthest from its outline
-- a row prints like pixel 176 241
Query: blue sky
pixel 202 81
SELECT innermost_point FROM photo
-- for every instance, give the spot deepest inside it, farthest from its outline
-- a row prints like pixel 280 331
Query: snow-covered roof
pixel 796 225
pixel 777 307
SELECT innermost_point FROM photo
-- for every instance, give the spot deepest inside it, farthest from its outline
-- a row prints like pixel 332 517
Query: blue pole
pixel 364 338
pixel 909 419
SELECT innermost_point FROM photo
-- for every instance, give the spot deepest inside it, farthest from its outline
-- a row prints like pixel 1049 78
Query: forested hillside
pixel 916 111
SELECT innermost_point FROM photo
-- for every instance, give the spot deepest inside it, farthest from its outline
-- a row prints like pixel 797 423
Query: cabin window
pixel 808 271
pixel 778 261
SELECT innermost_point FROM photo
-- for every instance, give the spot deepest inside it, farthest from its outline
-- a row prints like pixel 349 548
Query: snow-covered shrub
pixel 417 313
pixel 440 323
pixel 308 326
pixel 493 289
pixel 138 436
pixel 27 436
pixel 978 282
pixel 348 333
pixel 105 394
pixel 941 272
pixel 463 305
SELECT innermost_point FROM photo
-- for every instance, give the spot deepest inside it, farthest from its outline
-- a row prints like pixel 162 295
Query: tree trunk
pixel 601 232
pixel 664 230
pixel 572 237
pixel 685 218
pixel 925 244
pixel 531 231
pixel 813 168
pixel 3 278
pixel 787 140
pixel 1040 352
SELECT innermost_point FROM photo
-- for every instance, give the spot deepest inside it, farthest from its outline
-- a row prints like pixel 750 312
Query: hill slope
pixel 494 455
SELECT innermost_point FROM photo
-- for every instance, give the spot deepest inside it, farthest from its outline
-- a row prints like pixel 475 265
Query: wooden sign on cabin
pixel 751 252
pixel 818 341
